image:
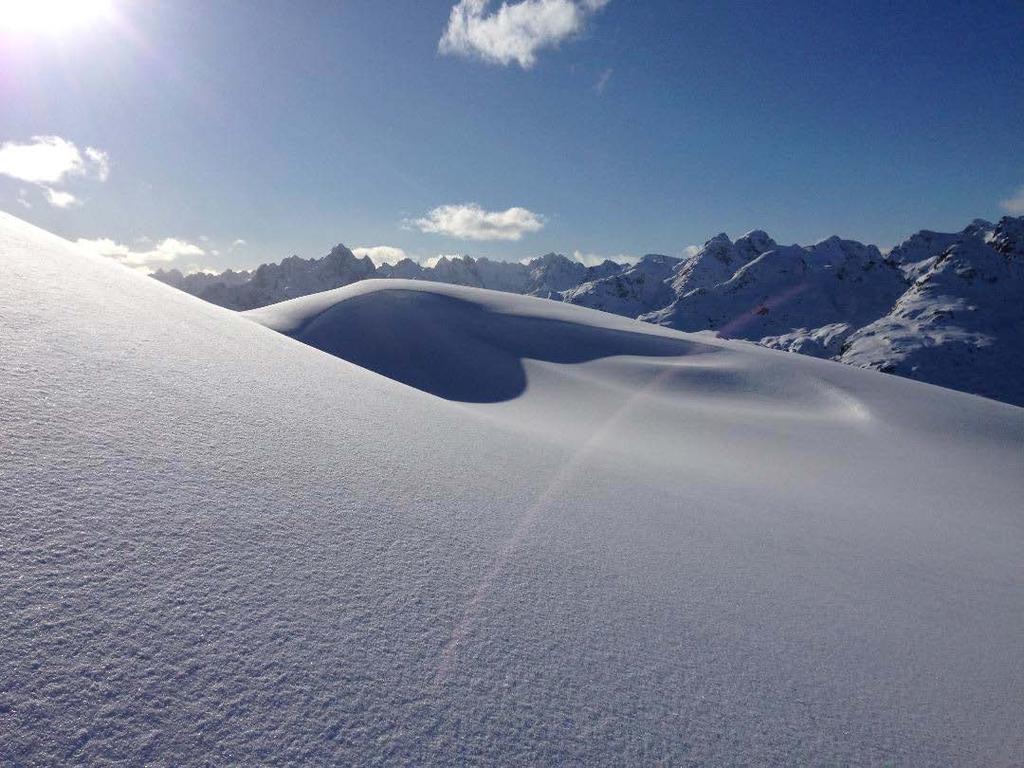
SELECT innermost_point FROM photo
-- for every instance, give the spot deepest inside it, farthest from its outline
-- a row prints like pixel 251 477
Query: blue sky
pixel 601 126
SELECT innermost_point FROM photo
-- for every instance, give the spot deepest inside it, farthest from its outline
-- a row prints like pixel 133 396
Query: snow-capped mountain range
pixel 945 308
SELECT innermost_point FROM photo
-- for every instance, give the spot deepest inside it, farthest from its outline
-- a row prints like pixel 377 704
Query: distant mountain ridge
pixel 547 276
pixel 945 308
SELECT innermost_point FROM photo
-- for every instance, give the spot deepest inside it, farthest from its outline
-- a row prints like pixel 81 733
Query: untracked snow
pixel 544 536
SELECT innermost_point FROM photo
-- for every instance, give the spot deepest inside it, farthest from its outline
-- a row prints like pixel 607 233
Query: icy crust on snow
pixel 223 546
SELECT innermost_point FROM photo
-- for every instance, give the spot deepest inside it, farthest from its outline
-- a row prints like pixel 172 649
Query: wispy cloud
pixel 1014 205
pixel 50 160
pixel 602 81
pixel 100 162
pixel 515 32
pixel 381 254
pixel 468 221
pixel 163 253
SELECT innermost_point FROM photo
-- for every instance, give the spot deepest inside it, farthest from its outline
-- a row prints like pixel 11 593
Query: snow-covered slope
pixel 716 262
pixel 791 287
pixel 222 546
pixel 631 292
pixel 961 323
pixel 943 308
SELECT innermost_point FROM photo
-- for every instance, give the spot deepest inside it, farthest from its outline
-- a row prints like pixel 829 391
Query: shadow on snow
pixel 461 350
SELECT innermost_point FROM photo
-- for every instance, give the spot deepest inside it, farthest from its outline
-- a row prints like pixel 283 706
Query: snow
pixel 545 276
pixel 837 299
pixel 223 546
pixel 716 262
pixel 961 323
pixel 790 287
pixel 629 293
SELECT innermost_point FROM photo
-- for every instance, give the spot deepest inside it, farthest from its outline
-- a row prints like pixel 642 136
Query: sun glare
pixel 52 17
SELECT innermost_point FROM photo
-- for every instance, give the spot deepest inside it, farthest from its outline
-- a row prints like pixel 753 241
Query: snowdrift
pixel 421 524
pixel 454 342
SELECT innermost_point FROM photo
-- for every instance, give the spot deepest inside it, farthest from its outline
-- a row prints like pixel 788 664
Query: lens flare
pixel 52 17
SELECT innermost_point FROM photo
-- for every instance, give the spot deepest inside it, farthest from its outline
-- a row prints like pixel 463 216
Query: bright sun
pixel 52 17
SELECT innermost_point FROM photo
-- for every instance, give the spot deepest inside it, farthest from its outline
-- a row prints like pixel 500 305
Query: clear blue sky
pixel 296 125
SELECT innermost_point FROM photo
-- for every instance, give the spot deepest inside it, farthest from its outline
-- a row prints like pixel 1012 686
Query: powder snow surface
pixel 621 545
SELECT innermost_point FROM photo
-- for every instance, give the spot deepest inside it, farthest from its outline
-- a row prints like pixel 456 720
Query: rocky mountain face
pixel 945 308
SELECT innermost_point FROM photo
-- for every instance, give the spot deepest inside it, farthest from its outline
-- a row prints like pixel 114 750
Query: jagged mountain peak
pixel 718 260
pixel 658 259
pixel 836 251
pixel 978 227
pixel 550 259
pixel 757 240
pixel 1008 237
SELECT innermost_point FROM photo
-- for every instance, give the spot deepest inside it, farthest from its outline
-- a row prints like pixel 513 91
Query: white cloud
pixel 1014 205
pixel 238 243
pixel 602 81
pixel 381 254
pixel 690 251
pixel 164 252
pixel 59 199
pixel 593 259
pixel 23 198
pixel 44 160
pixel 49 160
pixel 516 31
pixel 469 221
pixel 103 246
